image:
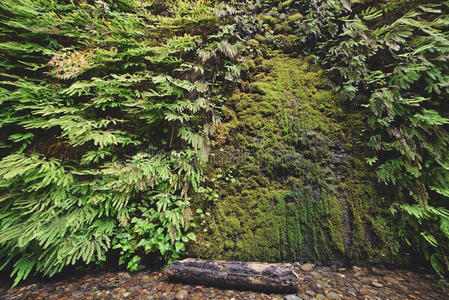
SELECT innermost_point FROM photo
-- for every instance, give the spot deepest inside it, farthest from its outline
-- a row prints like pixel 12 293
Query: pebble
pixel 316 275
pixel 333 295
pixel 365 292
pixel 391 279
pixel 376 284
pixel 304 296
pixel 292 297
pixel 310 293
pixel 181 295
pixel 124 276
pixel 307 267
pixel 317 287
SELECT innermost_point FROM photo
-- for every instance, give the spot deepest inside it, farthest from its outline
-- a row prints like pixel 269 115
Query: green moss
pixel 298 190
pixel 268 19
pixel 246 221
pixel 285 3
pixel 283 27
pixel 295 17
pixel 287 42
pixel 336 229
pixel 260 38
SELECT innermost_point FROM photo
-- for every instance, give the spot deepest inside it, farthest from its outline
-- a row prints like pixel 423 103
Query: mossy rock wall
pixel 288 174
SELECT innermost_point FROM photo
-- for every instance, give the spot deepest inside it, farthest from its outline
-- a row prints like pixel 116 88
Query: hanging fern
pixel 103 110
pixel 392 58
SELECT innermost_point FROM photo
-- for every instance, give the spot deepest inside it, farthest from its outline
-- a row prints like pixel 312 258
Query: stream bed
pixel 315 283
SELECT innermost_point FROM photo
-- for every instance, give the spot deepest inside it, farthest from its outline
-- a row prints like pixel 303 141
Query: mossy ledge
pixel 288 174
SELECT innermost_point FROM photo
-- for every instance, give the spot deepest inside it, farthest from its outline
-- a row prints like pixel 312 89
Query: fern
pixel 104 108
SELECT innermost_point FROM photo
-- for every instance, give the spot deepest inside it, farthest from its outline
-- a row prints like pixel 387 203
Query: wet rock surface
pixel 321 283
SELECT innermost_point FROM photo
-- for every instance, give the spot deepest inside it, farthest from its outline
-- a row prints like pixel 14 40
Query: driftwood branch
pixel 265 277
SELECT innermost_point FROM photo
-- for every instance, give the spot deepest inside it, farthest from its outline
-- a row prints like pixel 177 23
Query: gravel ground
pixel 315 283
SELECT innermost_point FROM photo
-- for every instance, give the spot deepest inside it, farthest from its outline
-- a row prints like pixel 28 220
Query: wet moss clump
pixel 289 181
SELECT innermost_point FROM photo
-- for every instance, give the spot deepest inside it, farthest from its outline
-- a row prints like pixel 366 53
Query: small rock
pixel 365 292
pixel 124 276
pixel 181 295
pixel 307 267
pixel 296 264
pixel 333 295
pixel 229 293
pixel 356 269
pixel 317 287
pixel 390 279
pixel 310 293
pixel 316 275
pixel 376 284
pixel 404 289
pixel 351 293
pixel 292 297
pixel 304 296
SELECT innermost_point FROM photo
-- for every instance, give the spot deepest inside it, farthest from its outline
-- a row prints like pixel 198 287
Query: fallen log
pixel 266 277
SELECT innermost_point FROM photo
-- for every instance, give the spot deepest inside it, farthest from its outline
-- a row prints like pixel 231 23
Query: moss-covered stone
pixel 287 168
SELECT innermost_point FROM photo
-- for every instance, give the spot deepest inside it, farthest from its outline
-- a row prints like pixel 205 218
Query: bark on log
pixel 266 277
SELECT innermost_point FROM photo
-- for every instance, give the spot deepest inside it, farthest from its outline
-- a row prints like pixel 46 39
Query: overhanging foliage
pixel 105 109
pixel 392 57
